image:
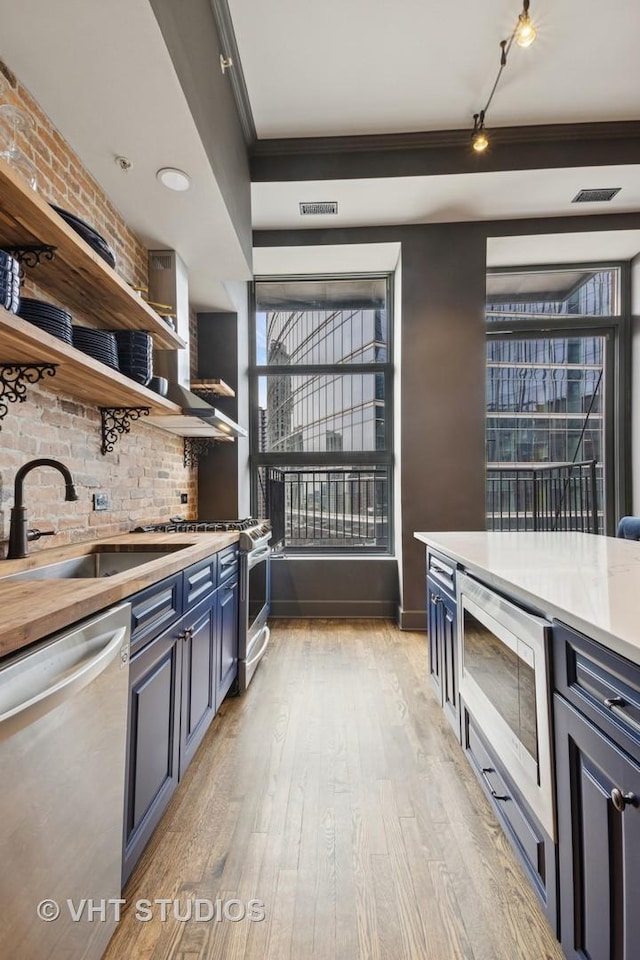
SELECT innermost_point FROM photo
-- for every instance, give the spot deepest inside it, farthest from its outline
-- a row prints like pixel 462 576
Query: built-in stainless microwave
pixel 504 684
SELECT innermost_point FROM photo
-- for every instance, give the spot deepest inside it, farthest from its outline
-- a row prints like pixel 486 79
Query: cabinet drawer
pixel 535 850
pixel 443 572
pixel 228 564
pixel 155 609
pixel 199 580
pixel 600 683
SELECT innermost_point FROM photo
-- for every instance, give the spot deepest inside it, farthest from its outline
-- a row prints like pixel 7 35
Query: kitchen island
pixel 589 582
pixel 534 652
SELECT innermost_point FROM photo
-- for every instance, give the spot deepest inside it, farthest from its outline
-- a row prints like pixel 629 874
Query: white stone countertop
pixel 589 582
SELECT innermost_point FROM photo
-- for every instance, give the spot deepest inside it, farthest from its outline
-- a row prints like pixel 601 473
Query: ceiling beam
pixel 445 152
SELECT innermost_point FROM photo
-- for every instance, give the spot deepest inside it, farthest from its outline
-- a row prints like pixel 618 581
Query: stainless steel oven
pixel 255 595
pixel 504 684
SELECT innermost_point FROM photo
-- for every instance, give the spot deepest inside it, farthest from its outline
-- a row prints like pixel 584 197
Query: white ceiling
pixel 103 73
pixel 472 196
pixel 371 66
pixel 550 248
pixel 519 251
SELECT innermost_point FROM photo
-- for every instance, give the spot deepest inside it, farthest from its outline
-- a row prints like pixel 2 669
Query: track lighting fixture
pixel 524 33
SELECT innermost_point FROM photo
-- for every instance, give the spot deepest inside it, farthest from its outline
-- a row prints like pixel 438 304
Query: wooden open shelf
pixel 77 374
pixel 218 387
pixel 77 276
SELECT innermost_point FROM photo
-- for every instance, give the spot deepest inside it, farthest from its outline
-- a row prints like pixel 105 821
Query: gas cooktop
pixel 251 528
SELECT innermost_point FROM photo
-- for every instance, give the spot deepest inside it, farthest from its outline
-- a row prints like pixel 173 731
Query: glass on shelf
pixel 14 123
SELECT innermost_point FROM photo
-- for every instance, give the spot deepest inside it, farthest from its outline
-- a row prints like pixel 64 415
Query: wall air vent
pixel 319 208
pixel 596 196
pixel 161 261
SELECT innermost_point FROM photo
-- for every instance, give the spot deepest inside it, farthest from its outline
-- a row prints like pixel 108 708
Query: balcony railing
pixel 342 509
pixel 553 496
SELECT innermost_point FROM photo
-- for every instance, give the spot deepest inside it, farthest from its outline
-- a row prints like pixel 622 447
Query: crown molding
pixel 224 25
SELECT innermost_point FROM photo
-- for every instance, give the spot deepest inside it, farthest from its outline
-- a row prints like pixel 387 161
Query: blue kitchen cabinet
pixel 442 636
pixel 199 663
pixel 597 740
pixel 184 662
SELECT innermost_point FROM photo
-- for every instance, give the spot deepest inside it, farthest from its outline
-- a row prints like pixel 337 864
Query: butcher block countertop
pixel 33 609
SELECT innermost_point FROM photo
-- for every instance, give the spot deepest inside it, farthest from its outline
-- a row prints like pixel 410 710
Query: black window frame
pixel 334 458
pixel 616 328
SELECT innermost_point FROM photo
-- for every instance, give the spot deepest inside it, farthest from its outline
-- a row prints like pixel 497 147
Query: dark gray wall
pixel 442 373
pixel 218 471
pixel 334 587
pixel 189 31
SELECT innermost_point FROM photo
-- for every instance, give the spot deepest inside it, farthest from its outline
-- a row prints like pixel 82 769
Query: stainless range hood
pixel 168 284
pixel 194 406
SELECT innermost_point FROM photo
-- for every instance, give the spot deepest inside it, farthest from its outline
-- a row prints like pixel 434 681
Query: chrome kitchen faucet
pixel 19 534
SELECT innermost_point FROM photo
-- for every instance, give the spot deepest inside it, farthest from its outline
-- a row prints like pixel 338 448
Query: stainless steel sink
pixel 100 562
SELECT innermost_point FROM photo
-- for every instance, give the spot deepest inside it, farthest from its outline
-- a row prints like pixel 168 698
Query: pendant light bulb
pixel 525 30
pixel 480 141
pixel 479 138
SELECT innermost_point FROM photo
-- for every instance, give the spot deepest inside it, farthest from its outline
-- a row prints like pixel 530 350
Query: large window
pixel 557 425
pixel 321 388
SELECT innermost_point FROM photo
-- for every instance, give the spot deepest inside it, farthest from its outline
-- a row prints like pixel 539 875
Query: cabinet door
pixel 598 841
pixel 449 658
pixel 198 639
pixel 227 597
pixel 434 627
pixel 154 730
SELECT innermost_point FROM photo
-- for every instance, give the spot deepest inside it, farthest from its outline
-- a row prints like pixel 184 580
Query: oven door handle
pixel 257 555
pixel 258 655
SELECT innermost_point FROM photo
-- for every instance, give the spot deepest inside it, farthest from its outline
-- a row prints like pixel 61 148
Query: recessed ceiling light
pixel 174 179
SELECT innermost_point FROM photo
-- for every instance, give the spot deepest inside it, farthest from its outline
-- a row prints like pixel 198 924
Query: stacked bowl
pixel 135 354
pixel 99 344
pixel 89 234
pixel 9 282
pixel 47 316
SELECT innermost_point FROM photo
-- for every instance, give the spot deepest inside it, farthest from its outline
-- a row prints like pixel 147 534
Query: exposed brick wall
pixel 145 475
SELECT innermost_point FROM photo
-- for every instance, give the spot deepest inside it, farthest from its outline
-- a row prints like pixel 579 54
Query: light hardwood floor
pixel 335 792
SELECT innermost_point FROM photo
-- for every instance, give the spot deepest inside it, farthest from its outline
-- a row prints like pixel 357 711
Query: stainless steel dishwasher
pixel 63 723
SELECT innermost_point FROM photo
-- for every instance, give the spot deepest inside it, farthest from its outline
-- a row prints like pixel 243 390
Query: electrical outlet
pixel 101 501
pixel 184 498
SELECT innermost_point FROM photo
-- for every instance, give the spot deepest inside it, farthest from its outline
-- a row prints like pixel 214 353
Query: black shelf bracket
pixel 16 377
pixel 195 448
pixel 116 421
pixel 31 255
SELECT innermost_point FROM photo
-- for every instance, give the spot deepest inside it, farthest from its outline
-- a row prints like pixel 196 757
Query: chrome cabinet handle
pixel 496 796
pixel 435 600
pixel 186 634
pixel 620 800
pixel 614 702
pixel 617 706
